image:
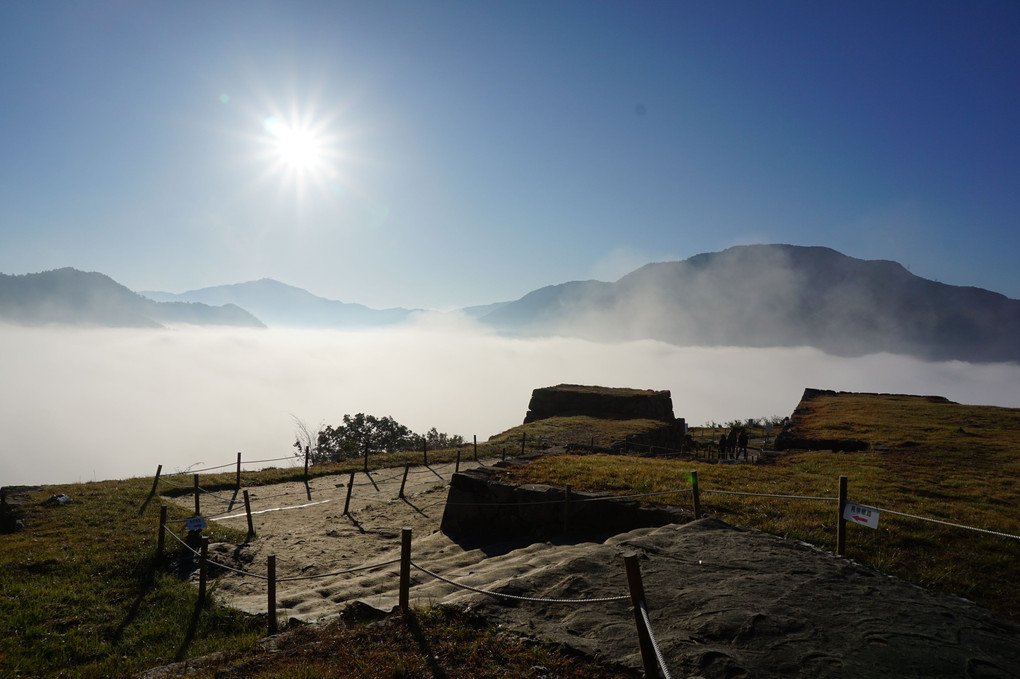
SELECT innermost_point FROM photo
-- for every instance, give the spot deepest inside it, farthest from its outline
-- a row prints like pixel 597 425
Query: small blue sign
pixel 195 523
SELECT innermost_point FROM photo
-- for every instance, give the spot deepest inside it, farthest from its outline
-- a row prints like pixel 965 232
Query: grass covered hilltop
pixel 81 594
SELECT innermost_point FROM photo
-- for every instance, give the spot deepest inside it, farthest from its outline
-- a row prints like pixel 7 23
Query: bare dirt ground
pixel 723 601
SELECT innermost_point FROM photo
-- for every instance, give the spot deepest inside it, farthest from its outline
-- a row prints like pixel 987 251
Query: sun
pixel 300 155
pixel 298 149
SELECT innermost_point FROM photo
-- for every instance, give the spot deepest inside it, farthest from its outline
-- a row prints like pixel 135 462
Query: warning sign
pixel 864 516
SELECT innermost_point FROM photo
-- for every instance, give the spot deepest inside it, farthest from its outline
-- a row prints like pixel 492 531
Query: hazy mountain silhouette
pixel 69 296
pixel 278 304
pixel 750 296
pixel 778 295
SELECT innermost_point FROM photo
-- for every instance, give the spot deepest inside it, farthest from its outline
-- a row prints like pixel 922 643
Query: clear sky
pixel 441 154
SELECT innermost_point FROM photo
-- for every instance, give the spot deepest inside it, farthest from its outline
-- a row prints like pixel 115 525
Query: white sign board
pixel 861 515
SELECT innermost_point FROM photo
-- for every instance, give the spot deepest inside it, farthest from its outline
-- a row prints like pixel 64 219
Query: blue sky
pixel 458 153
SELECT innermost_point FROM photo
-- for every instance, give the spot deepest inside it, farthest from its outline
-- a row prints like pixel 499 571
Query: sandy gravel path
pixel 724 601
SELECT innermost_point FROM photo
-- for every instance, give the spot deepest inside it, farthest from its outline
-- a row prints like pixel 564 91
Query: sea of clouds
pixel 79 405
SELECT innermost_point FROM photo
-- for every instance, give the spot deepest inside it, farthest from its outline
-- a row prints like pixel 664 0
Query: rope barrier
pixel 787 497
pixel 655 643
pixel 272 459
pixel 514 596
pixel 167 481
pixel 278 509
pixel 183 543
pixel 232 464
pixel 944 523
pixel 286 579
pixel 574 498
pixel 336 573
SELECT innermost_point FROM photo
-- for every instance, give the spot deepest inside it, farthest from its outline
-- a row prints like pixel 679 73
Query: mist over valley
pixel 90 404
pixel 101 382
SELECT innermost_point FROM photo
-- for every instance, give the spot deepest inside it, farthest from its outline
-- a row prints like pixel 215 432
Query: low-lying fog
pixel 82 405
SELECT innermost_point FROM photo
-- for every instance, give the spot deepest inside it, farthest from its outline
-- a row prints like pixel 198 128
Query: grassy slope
pixel 941 460
pixel 82 595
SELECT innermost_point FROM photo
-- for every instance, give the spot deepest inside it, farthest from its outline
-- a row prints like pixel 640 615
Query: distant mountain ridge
pixel 279 304
pixel 71 297
pixel 745 296
pixel 778 296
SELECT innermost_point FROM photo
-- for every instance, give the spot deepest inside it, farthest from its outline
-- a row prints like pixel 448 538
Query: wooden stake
pixel 307 453
pixel 476 447
pixel 203 568
pixel 198 512
pixel 404 481
pixel 637 596
pixel 347 502
pixel 456 468
pixel 155 481
pixel 239 471
pixel 841 522
pixel 247 510
pixel 160 539
pixel 696 494
pixel 405 571
pixel 271 591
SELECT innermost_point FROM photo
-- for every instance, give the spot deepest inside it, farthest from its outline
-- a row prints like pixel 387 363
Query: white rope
pixel 787 497
pixel 276 509
pixel 336 573
pixel 514 596
pixel 655 643
pixel 944 523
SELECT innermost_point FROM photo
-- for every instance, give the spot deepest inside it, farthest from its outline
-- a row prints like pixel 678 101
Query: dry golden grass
pixel 940 460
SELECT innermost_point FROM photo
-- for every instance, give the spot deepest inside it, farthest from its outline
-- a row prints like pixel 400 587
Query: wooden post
pixel 198 511
pixel 405 570
pixel 697 495
pixel 841 522
pixel 404 480
pixel 307 453
pixel 238 480
pixel 456 467
pixel 566 508
pixel 247 510
pixel 637 596
pixel 347 502
pixel 160 539
pixel 476 447
pixel 271 591
pixel 155 481
pixel 203 568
